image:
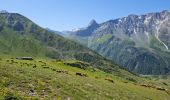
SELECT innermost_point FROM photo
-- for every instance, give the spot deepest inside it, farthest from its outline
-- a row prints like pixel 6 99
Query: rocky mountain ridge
pixel 140 43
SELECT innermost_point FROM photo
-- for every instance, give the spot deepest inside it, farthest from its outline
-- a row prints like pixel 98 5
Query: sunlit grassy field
pixel 48 79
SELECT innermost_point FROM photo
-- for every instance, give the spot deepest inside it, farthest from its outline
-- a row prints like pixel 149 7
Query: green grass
pixel 14 44
pixel 22 81
pixel 104 38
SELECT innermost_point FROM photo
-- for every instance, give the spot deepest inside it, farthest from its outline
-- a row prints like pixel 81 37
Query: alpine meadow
pixel 47 52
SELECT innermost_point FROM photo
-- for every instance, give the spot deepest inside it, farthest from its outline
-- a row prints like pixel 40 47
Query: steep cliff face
pixel 139 43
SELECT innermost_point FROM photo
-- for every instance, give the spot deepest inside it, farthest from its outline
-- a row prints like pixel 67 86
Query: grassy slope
pixel 12 44
pixel 19 80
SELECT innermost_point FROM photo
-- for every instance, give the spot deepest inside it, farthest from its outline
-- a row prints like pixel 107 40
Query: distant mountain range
pixel 140 43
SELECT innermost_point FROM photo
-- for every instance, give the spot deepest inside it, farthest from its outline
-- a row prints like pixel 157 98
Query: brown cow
pixel 80 74
pixel 110 80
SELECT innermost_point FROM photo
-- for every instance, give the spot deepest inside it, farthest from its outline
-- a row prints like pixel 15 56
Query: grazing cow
pixel 25 58
pixel 60 71
pixel 45 67
pixel 154 87
pixel 161 89
pixel 144 85
pixel 148 85
pixel 110 80
pixel 80 74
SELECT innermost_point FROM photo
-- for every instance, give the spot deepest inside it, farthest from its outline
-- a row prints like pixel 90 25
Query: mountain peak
pixel 165 11
pixel 92 23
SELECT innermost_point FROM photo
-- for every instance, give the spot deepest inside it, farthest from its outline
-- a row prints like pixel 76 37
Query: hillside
pixel 140 43
pixel 19 37
pixel 46 79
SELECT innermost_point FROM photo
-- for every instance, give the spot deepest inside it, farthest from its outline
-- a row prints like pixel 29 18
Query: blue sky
pixel 69 14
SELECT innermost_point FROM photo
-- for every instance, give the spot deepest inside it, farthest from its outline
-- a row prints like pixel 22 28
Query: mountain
pixel 86 31
pixel 20 37
pixel 63 33
pixel 63 69
pixel 140 43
